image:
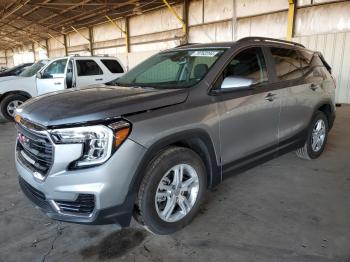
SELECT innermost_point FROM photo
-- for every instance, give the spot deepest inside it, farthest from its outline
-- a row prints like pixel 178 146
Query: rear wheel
pixel 172 190
pixel 317 138
pixel 9 105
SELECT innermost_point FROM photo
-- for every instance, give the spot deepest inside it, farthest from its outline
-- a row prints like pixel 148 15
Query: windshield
pixel 172 69
pixel 32 70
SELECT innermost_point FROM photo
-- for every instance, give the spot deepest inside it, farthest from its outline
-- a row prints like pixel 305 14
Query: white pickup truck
pixel 47 76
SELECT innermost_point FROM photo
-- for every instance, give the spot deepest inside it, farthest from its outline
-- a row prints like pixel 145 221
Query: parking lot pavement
pixel 284 210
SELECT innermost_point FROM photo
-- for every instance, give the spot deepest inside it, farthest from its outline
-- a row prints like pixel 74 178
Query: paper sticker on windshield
pixel 207 53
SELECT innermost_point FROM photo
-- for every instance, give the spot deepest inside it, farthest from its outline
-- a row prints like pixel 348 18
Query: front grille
pixel 83 205
pixel 36 196
pixel 34 150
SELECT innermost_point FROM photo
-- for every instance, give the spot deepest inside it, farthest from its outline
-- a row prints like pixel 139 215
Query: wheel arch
pixel 197 140
pixel 327 108
pixel 18 92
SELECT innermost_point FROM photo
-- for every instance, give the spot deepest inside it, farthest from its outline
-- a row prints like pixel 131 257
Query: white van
pixel 47 76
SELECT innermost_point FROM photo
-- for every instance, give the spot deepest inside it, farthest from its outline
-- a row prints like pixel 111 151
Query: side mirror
pixel 39 75
pixel 232 83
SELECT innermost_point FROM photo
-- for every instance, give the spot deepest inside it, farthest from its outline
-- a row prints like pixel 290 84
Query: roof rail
pixel 267 39
pixel 185 44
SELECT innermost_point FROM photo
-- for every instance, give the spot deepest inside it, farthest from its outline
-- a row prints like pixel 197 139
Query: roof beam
pixel 65 10
pixel 28 33
pixel 15 9
pixel 95 12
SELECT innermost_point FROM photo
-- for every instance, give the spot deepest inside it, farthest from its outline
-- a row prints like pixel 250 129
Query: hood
pixel 6 78
pixel 13 83
pixel 97 103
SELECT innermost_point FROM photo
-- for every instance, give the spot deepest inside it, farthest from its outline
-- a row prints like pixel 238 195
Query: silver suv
pixel 150 143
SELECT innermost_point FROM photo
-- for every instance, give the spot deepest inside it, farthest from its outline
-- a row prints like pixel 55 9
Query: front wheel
pixel 317 137
pixel 172 190
pixel 9 105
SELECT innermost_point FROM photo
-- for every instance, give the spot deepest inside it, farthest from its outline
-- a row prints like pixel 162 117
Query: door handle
pixel 57 83
pixel 270 97
pixel 314 87
pixel 99 79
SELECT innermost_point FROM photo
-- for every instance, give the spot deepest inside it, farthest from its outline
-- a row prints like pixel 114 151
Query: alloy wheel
pixel 177 193
pixel 12 106
pixel 318 135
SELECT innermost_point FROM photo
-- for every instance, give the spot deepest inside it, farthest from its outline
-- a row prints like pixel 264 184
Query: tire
pixel 308 151
pixel 6 102
pixel 152 208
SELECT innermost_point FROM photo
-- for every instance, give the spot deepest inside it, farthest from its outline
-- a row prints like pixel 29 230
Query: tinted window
pixel 249 63
pixel 113 66
pixel 287 63
pixel 55 69
pixel 172 69
pixel 309 60
pixel 88 68
pixel 165 71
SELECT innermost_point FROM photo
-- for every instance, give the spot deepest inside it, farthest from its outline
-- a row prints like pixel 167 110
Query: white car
pixel 47 76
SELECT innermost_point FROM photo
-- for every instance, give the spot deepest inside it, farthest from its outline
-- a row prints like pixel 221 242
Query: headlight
pixel 99 142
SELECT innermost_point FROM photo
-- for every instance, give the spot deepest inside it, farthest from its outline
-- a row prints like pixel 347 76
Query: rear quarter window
pixel 113 66
pixel 287 63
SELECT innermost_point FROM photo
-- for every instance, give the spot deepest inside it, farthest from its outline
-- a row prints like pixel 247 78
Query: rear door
pixel 88 72
pixel 52 77
pixel 300 82
pixel 249 118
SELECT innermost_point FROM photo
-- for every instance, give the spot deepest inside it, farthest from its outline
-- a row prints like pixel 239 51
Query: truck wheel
pixel 9 105
pixel 172 190
pixel 317 138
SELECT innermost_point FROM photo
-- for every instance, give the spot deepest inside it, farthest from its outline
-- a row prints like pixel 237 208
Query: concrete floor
pixel 285 210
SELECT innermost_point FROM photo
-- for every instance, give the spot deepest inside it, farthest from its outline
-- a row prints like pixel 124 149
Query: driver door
pixel 52 77
pixel 249 114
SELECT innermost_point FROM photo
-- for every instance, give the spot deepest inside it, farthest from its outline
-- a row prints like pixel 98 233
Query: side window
pixel 113 66
pixel 55 69
pixel 287 63
pixel 249 63
pixel 88 68
pixel 305 60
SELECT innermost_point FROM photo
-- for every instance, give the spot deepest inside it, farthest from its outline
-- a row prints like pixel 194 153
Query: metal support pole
pixel 91 41
pixel 185 20
pixel 65 45
pixel 127 38
pixel 6 57
pixel 291 15
pixel 47 48
pixel 33 48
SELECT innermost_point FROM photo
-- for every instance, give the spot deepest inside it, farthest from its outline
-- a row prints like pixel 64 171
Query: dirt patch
pixel 116 244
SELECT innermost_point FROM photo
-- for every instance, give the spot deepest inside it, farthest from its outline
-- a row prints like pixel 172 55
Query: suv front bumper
pixel 110 185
